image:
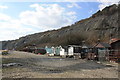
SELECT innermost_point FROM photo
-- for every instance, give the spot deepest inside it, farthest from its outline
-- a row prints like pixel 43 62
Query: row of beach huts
pixel 100 51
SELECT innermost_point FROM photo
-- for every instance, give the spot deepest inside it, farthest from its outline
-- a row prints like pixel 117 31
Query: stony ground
pixel 42 66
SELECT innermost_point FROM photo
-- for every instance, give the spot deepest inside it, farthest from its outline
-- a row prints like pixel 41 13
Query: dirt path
pixel 42 66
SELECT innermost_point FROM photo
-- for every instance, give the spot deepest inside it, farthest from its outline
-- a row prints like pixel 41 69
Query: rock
pixel 11 64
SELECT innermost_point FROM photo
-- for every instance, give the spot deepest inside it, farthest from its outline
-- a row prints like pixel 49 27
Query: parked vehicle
pixel 40 51
pixel 4 52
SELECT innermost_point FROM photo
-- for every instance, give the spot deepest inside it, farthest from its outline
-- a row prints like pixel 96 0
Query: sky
pixel 18 18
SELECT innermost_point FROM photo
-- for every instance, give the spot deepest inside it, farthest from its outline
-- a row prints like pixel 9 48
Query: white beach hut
pixel 62 52
pixel 74 50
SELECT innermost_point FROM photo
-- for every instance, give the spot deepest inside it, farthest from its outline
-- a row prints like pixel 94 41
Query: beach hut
pixel 57 51
pixel 86 52
pixel 65 50
pixel 91 55
pixel 62 52
pixel 115 51
pixel 70 51
pixel 53 50
pixel 74 50
pixel 102 51
pixel 50 51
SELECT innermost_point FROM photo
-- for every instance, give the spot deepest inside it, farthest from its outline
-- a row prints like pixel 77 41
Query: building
pixel 57 51
pixel 86 51
pixel 50 51
pixel 115 51
pixel 91 55
pixel 74 50
pixel 62 52
pixel 102 51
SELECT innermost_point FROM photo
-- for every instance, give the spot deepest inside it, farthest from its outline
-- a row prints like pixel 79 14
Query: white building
pixel 74 50
pixel 70 51
pixel 62 51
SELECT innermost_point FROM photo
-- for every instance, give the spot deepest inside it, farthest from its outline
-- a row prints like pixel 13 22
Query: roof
pixel 115 41
pixel 86 46
pixel 102 45
pixel 74 46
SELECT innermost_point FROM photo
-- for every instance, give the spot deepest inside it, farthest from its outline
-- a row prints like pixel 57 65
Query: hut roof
pixel 74 46
pixel 114 40
pixel 115 44
pixel 102 45
pixel 86 46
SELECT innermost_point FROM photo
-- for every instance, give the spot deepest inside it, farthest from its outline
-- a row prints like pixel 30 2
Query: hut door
pixel 101 54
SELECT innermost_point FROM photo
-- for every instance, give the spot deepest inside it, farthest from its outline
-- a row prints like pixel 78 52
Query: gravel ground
pixel 42 66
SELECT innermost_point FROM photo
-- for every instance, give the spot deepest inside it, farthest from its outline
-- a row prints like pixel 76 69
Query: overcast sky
pixel 18 19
